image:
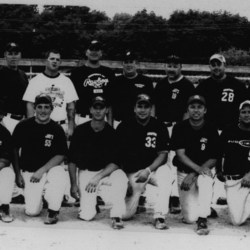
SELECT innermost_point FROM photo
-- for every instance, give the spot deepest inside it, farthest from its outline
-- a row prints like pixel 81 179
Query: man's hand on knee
pixel 188 181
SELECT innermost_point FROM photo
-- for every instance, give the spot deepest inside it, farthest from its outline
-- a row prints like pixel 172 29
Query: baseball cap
pixel 43 99
pixel 99 100
pixel 197 98
pixel 95 45
pixel 173 59
pixel 245 103
pixel 143 98
pixel 129 56
pixel 219 57
pixel 12 47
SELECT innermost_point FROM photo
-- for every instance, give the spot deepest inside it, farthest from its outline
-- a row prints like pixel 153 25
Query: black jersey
pixel 139 145
pixel 223 100
pixel 90 82
pixel 235 148
pixel 93 150
pixel 171 99
pixel 13 84
pixel 125 92
pixel 200 145
pixel 38 142
pixel 6 149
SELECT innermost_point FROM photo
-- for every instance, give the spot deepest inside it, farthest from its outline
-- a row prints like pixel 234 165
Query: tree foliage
pixel 194 35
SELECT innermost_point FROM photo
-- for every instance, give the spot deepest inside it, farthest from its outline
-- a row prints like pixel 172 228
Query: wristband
pixel 149 170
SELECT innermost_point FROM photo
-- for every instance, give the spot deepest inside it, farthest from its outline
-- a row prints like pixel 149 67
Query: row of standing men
pixel 222 93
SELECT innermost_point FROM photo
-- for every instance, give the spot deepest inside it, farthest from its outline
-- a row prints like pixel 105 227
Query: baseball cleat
pixel 202 227
pixel 213 214
pixel 51 220
pixel 160 224
pixel 117 223
pixel 7 218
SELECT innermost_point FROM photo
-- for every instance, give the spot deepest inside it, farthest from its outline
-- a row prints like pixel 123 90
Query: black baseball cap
pixel 245 103
pixel 129 56
pixel 99 100
pixel 95 45
pixel 197 98
pixel 43 99
pixel 173 59
pixel 12 47
pixel 144 98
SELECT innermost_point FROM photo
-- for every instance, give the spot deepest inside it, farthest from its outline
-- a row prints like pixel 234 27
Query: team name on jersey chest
pixel 139 85
pixel 48 140
pixel 243 143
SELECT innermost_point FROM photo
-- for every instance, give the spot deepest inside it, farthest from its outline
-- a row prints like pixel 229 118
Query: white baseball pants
pixel 7 181
pixel 118 188
pixel 163 179
pixel 196 202
pixel 54 184
pixel 238 201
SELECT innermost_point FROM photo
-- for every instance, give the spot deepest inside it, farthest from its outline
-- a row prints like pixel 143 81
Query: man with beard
pixel 171 96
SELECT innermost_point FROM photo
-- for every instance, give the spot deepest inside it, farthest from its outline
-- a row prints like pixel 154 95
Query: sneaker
pixel 160 224
pixel 117 223
pixel 174 205
pixel 202 227
pixel 7 218
pixel 213 214
pixel 221 201
pixel 51 220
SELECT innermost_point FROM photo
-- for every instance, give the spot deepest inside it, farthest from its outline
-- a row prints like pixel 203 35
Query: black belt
pixel 234 177
pixel 16 117
pixel 61 122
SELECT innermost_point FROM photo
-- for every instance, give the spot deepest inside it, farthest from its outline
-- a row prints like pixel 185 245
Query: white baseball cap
pixel 247 102
pixel 219 57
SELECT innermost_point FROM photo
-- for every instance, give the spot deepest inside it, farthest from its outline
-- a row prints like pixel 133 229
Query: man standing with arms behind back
pixel 90 80
pixel 171 96
pixel 13 83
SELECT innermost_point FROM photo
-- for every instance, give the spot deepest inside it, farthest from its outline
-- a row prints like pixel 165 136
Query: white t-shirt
pixel 60 89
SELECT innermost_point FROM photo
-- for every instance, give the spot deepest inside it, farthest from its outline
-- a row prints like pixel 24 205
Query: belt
pixel 233 177
pixel 61 122
pixel 16 117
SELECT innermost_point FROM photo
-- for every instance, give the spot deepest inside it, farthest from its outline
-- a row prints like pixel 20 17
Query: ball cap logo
pixel 143 98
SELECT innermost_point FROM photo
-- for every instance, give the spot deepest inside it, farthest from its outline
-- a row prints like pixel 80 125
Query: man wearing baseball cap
pixel 171 96
pixel 39 149
pixel 93 152
pixel 143 145
pixel 223 94
pixel 234 170
pixel 128 86
pixel 13 85
pixel 90 80
pixel 195 142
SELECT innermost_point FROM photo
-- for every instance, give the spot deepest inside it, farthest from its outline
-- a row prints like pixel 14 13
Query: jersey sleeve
pixel 177 140
pixel 60 147
pixel 71 94
pixel 18 135
pixel 6 146
pixel 163 140
pixel 31 92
